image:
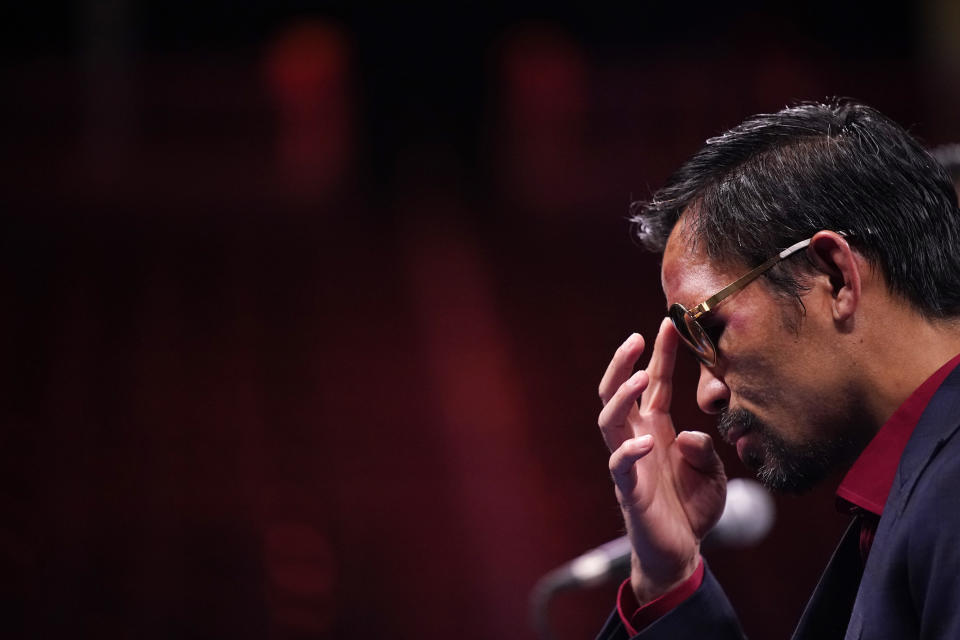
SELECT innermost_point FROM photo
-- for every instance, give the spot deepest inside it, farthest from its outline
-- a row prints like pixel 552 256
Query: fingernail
pixel 637 377
pixel 644 440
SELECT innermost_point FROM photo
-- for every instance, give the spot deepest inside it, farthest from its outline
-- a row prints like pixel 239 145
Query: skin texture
pixel 817 382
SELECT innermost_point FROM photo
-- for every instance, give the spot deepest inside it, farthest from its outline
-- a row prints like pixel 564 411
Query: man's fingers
pixel 697 449
pixel 621 366
pixel 623 459
pixel 660 390
pixel 613 420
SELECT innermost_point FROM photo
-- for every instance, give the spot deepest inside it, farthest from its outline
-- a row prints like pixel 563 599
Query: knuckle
pixel 603 420
pixel 603 393
pixel 614 464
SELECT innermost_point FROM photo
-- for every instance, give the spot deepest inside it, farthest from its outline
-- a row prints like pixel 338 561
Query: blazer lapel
pixel 829 608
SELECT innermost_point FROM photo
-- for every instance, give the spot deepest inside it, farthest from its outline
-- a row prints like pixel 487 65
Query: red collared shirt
pixel 865 486
pixel 868 481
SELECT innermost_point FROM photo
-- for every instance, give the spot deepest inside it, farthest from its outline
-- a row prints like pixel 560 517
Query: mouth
pixel 736 432
pixel 735 424
pixel 744 448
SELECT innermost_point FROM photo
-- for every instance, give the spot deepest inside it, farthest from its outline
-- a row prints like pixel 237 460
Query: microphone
pixel 747 518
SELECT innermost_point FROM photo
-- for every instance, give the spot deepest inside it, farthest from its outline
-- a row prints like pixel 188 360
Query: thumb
pixel 697 450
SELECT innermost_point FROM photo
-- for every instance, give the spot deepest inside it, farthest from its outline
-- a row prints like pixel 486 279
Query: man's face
pixel 784 388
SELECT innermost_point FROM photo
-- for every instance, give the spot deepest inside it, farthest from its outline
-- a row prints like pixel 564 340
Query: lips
pixel 735 424
pixel 741 444
pixel 735 433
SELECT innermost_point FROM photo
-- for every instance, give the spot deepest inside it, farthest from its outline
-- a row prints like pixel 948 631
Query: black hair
pixel 779 178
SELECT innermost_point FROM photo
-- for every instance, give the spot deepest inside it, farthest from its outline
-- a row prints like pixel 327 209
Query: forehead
pixel 687 275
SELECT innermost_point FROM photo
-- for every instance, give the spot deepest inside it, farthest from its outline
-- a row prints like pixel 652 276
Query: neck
pixel 912 349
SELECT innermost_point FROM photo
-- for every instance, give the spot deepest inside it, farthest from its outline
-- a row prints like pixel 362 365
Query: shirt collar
pixel 868 481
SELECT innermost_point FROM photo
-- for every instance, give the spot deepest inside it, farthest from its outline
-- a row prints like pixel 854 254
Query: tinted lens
pixel 693 334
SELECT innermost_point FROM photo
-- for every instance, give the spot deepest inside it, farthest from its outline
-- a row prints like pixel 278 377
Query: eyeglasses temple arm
pixel 745 279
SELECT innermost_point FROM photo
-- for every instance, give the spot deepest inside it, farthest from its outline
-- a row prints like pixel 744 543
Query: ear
pixel 832 255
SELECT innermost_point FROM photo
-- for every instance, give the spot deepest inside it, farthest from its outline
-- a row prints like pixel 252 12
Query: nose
pixel 713 395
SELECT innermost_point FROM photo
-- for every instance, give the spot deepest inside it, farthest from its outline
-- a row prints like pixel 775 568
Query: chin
pixel 787 466
pixel 794 470
pixel 776 479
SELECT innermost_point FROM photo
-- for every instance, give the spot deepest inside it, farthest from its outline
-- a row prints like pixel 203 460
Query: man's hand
pixel 671 487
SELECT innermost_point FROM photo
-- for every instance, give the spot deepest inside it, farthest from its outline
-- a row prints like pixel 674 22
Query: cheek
pixel 758 345
pixel 744 346
pixel 764 361
pixel 795 406
pixel 761 377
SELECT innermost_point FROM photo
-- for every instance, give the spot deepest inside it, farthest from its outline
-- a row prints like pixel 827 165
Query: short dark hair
pixel 779 178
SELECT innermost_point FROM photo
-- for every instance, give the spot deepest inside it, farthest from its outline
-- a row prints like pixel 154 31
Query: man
pixel 811 261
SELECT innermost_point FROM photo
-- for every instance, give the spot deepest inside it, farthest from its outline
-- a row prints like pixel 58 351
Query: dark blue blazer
pixel 910 587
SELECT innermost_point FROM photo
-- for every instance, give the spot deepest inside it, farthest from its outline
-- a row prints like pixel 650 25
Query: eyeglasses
pixel 687 321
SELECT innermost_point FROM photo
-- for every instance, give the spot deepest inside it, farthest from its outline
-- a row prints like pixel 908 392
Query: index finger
pixel 659 392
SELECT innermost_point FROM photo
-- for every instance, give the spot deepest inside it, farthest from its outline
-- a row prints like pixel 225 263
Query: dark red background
pixel 303 310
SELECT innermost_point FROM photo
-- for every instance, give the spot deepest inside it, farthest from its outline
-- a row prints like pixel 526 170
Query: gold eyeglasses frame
pixel 687 321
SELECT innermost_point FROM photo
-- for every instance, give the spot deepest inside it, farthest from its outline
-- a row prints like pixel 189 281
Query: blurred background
pixel 304 305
